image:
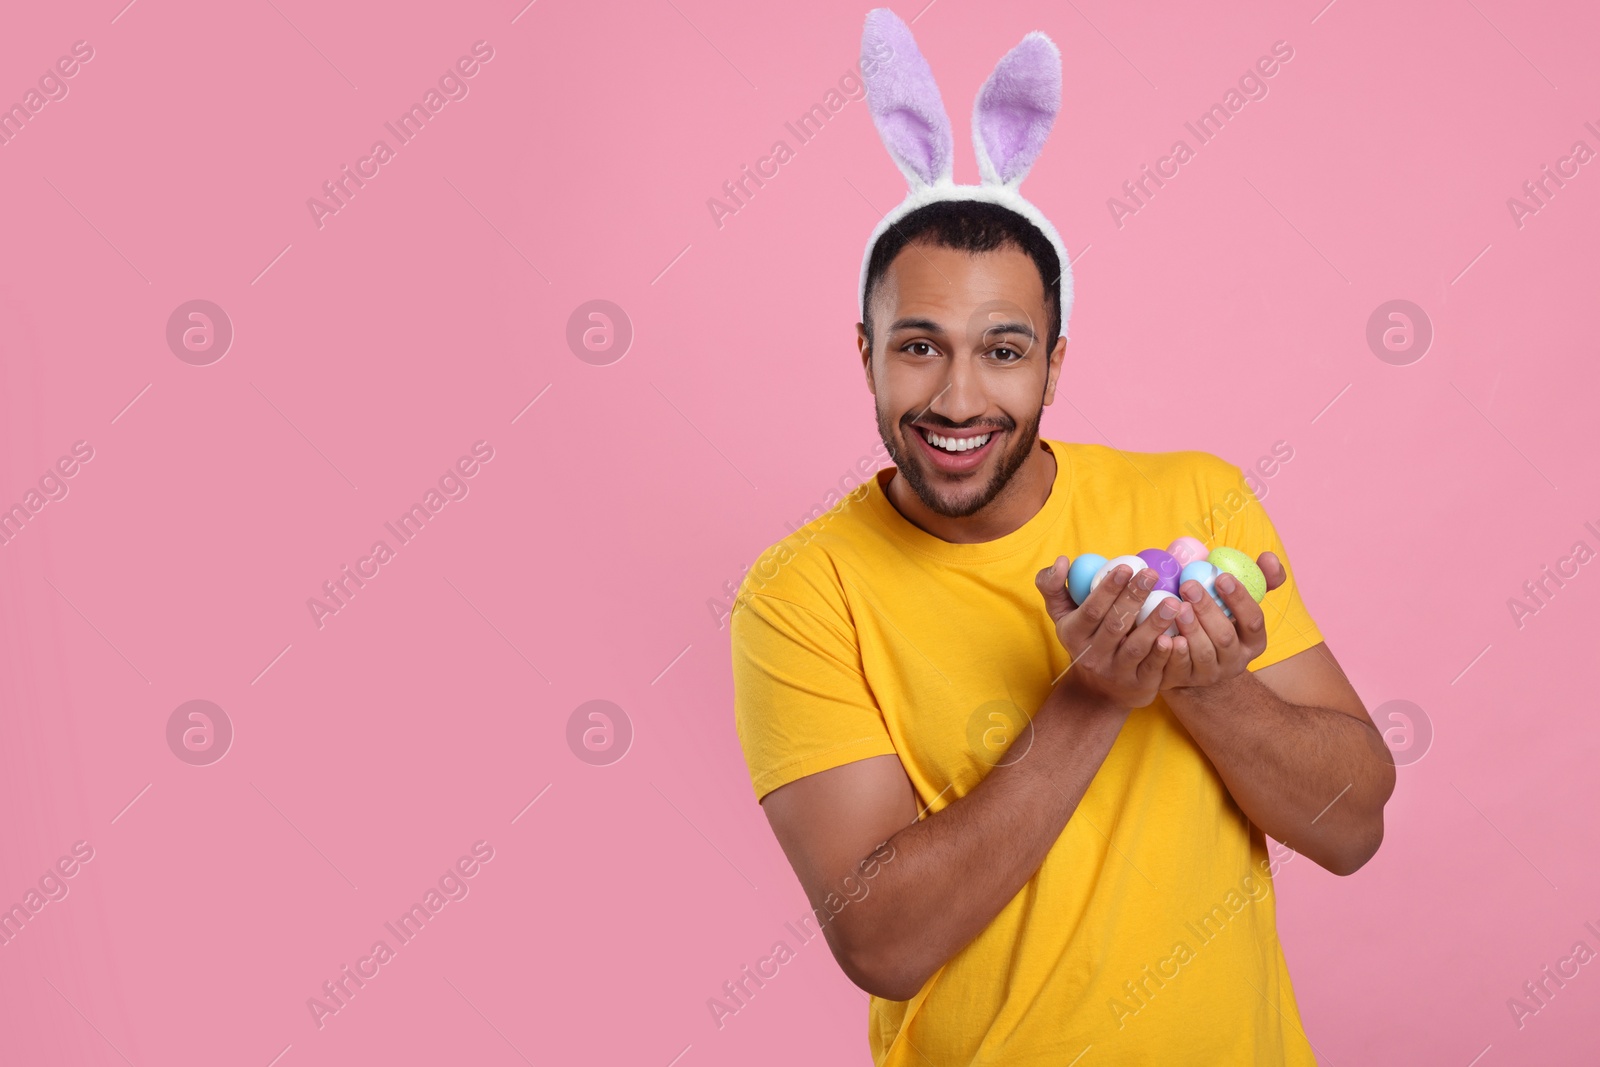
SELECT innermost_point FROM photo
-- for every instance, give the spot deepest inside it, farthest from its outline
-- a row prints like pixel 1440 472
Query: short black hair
pixel 969 226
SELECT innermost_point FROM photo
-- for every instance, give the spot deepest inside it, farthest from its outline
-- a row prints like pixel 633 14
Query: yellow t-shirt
pixel 1148 934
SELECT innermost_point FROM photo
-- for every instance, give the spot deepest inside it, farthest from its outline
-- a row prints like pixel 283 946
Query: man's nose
pixel 961 395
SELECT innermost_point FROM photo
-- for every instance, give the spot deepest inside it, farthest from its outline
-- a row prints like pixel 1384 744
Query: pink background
pixel 1226 315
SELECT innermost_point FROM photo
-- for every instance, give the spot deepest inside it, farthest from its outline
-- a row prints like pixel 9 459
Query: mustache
pixel 939 423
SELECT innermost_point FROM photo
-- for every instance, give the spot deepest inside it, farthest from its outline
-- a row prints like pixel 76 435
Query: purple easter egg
pixel 1165 566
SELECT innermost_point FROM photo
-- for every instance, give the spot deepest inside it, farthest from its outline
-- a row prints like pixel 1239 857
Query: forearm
pixel 1311 777
pixel 955 870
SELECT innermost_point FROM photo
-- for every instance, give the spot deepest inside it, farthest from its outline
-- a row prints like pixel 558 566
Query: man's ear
pixel 865 347
pixel 1058 359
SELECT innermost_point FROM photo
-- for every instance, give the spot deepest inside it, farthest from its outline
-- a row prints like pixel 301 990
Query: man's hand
pixel 1210 647
pixel 1113 658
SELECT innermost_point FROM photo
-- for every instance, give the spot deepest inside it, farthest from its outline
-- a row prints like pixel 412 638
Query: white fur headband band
pixel 1011 118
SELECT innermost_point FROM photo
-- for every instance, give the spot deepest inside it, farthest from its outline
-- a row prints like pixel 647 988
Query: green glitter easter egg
pixel 1242 567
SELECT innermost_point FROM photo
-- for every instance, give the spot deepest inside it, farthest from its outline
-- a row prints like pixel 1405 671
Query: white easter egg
pixel 1152 602
pixel 1134 562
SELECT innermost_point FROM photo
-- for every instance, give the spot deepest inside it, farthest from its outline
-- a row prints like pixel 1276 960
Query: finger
pixel 1217 626
pixel 1125 609
pixel 1138 645
pixel 1179 668
pixel 1120 615
pixel 1202 653
pixel 1052 585
pixel 1154 665
pixel 1249 623
pixel 1084 625
pixel 1273 570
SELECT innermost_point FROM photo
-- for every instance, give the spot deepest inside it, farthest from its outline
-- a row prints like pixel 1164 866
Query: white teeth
pixel 958 444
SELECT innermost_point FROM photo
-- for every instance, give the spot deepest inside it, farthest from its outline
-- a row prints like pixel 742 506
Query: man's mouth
pixel 955 450
pixel 956 444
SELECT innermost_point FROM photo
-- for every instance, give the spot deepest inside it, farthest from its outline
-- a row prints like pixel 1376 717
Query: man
pixel 1028 827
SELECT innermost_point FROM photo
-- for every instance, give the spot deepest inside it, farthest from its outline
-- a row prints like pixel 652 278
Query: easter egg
pixel 1188 549
pixel 1165 566
pixel 1241 567
pixel 1206 574
pixel 1083 568
pixel 1152 602
pixel 1134 562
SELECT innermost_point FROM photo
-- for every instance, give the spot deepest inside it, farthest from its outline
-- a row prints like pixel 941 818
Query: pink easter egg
pixel 1188 549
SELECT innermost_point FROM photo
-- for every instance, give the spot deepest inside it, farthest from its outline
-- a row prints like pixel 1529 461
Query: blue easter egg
pixel 1206 574
pixel 1083 568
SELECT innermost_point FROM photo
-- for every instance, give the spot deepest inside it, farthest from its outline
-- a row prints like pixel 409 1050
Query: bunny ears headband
pixel 1010 120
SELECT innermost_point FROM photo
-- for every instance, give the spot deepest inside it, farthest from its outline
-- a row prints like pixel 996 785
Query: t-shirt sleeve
pixel 1290 628
pixel 801 701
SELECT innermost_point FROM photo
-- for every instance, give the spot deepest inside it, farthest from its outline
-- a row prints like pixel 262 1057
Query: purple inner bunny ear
pixel 913 142
pixel 904 99
pixel 1016 108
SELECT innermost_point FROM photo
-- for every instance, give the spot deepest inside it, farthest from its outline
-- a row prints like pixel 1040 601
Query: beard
pixel 930 484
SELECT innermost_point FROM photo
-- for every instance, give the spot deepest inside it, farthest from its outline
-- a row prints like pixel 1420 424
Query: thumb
pixel 1272 570
pixel 1052 584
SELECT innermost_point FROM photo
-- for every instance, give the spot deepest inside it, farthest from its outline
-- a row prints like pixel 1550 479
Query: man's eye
pixel 1003 353
pixel 919 344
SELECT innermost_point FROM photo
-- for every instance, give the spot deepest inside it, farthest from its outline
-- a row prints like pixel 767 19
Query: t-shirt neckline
pixel 1023 538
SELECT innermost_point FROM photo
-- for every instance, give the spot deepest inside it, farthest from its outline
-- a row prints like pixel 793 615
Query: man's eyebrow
pixel 1013 327
pixel 929 326
pixel 913 323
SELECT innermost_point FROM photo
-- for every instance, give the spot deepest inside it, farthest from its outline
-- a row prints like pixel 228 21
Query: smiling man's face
pixel 959 372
